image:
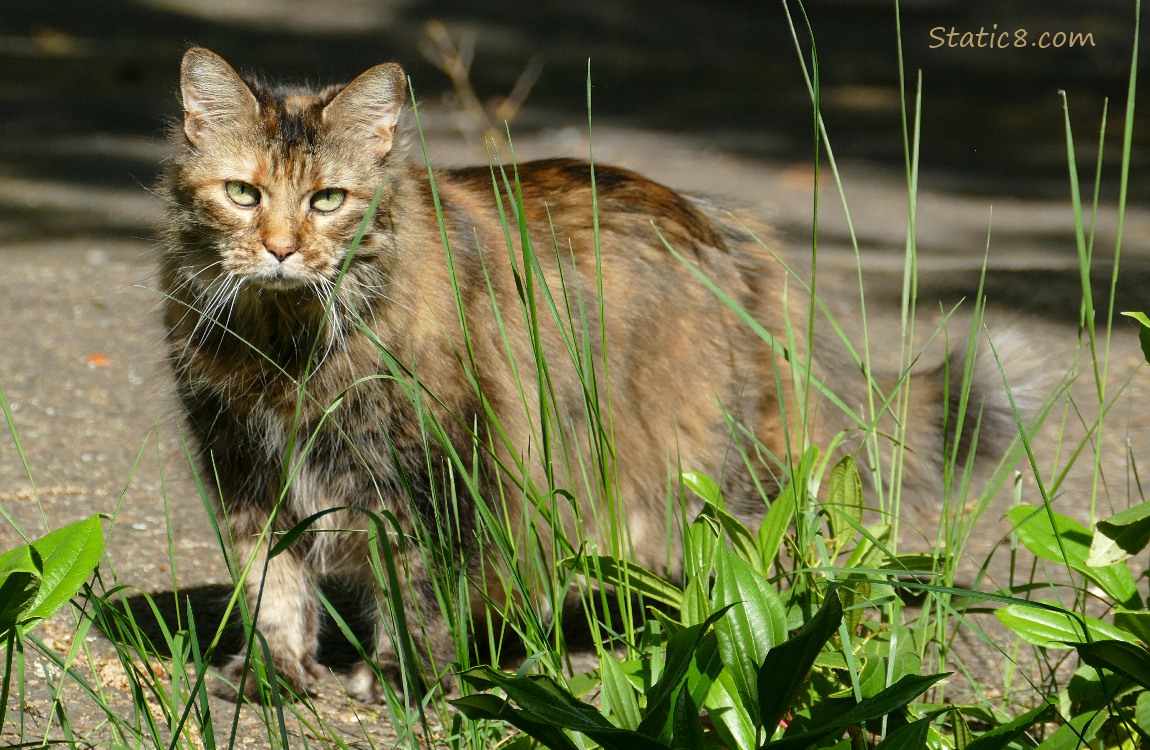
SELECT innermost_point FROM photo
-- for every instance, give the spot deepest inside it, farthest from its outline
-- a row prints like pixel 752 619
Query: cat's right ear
pixel 213 94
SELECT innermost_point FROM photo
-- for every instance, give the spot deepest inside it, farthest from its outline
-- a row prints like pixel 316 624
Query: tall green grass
pixel 814 531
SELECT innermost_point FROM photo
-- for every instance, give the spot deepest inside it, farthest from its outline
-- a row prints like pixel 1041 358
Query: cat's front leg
pixel 282 599
pixel 423 664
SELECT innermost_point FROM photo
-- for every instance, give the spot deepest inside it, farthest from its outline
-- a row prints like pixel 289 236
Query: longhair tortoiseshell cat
pixel 266 190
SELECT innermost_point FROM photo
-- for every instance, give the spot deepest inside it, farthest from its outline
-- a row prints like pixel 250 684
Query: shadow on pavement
pixel 157 615
pixel 85 89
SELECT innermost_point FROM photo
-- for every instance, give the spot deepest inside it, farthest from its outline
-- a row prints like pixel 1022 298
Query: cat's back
pixel 583 209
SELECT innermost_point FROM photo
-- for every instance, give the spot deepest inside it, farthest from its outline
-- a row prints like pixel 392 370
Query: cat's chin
pixel 276 282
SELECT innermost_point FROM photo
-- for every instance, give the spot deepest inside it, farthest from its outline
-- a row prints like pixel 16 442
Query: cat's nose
pixel 280 250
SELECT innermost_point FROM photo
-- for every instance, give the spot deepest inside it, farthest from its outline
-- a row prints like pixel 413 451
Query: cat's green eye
pixel 241 193
pixel 328 199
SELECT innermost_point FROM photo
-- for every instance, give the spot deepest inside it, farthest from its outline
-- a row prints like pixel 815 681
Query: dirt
pixel 85 95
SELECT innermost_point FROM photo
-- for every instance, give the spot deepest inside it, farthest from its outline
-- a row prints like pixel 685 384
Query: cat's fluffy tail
pixel 1004 391
pixel 973 403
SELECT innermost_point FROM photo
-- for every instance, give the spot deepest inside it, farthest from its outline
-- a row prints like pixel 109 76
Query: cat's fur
pixel 248 287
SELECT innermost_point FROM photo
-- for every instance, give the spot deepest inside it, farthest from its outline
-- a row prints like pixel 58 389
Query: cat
pixel 311 376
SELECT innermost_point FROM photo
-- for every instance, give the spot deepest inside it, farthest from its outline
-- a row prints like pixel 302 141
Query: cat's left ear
pixel 370 105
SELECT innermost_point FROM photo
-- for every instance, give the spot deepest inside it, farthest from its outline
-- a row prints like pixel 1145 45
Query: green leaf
pixel 681 649
pixel 705 669
pixel 920 563
pixel 1001 736
pixel 785 668
pixel 748 631
pixel 585 682
pixel 870 552
pixel 1137 623
pixel 774 525
pixel 892 699
pixel 1077 733
pixel 1127 659
pixel 39 578
pixel 1090 689
pixel 17 590
pixel 737 533
pixel 481 706
pixel 488 707
pixel 521 742
pixel 960 729
pixel 628 576
pixel 1142 709
pixel 845 498
pixel 20 570
pixel 546 706
pixel 910 736
pixel 541 697
pixel 831 660
pixel 618 694
pixel 699 549
pixel 1121 536
pixel 289 537
pixel 1143 332
pixel 872 676
pixel 21 560
pixel 703 486
pixel 1033 525
pixel 1054 629
pixel 696 606
pixel 854 594
pixel 687 727
pixel 1105 551
pixel 731 719
pixel 69 555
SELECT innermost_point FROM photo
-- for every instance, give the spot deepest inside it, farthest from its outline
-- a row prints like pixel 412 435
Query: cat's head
pixel 273 183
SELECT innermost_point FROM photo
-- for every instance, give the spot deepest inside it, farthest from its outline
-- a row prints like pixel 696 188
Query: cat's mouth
pixel 277 279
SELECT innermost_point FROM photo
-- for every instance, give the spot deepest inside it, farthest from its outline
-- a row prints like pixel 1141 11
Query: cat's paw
pixel 362 682
pixel 294 679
